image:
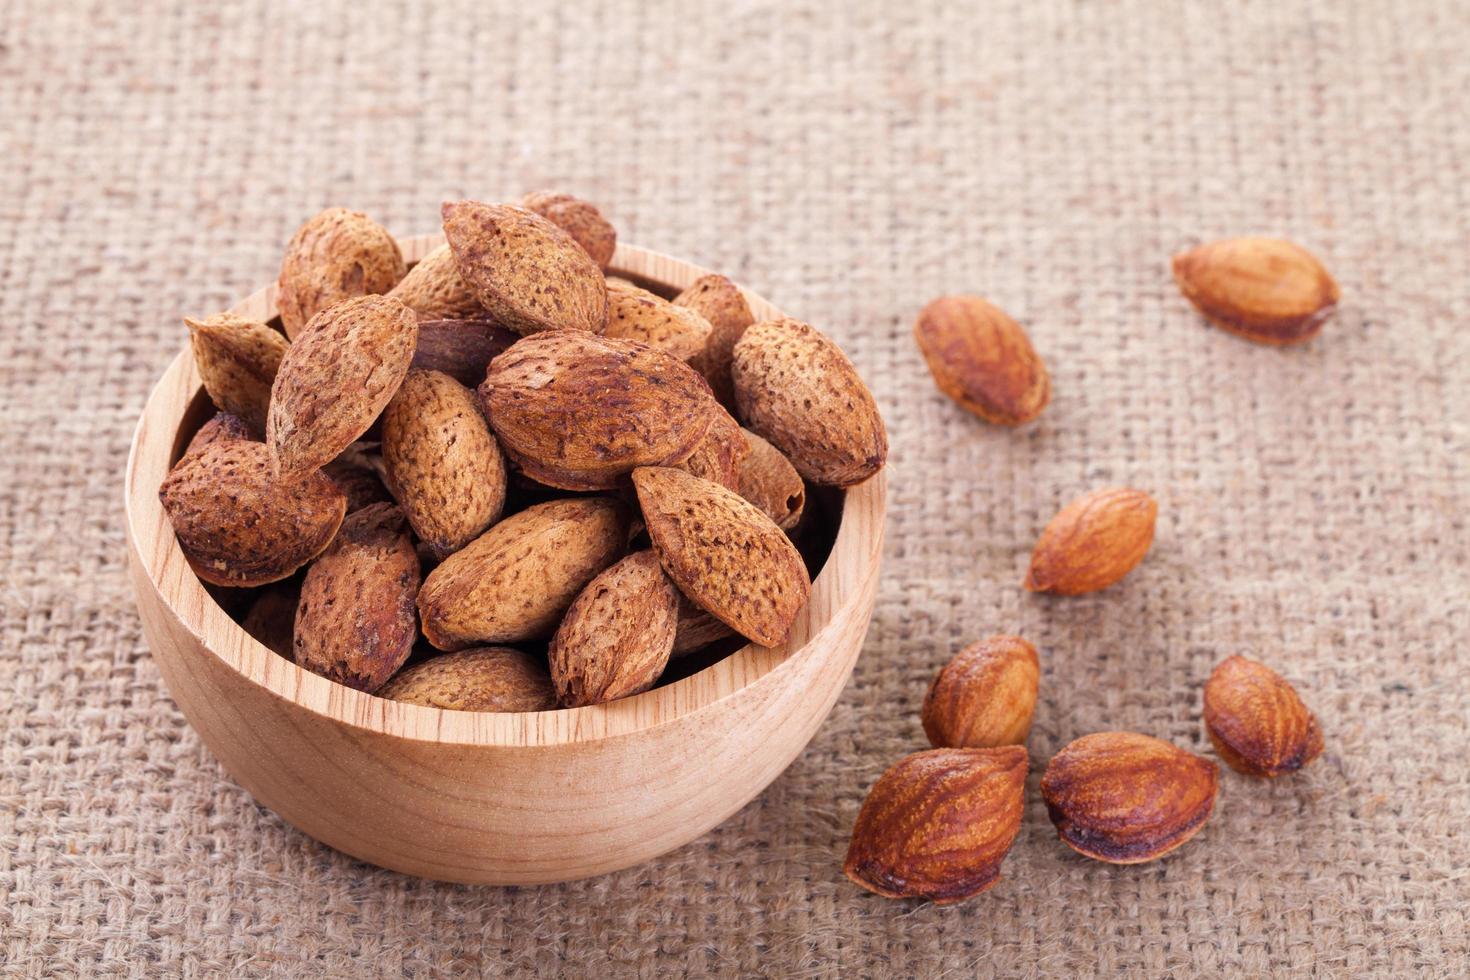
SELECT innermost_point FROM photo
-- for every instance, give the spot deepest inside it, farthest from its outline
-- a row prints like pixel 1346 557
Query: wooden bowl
pixel 481 797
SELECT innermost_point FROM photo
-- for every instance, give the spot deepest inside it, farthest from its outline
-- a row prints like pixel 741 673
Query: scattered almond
pixel 1126 798
pixel 983 360
pixel 1093 542
pixel 515 581
pixel 237 359
pixel 527 273
pixel 723 553
pixel 579 412
pixel 616 637
pixel 721 453
pixel 435 290
pixel 767 479
pixel 337 255
pixel 579 219
pixel 442 463
pixel 720 302
pixel 462 349
pixel 1256 720
pixel 1264 289
pixel 939 824
pixel 271 619
pixel 336 379
pixel 478 679
pixel 985 696
pixel 636 314
pixel 238 523
pixel 221 427
pixel 794 387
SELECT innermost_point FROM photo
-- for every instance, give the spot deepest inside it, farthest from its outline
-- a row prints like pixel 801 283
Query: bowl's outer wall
pixel 483 798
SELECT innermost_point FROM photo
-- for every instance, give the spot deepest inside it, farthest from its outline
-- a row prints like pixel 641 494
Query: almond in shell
pixel 435 290
pixel 356 471
pixel 721 453
pixel 577 218
pixel 221 427
pixel 767 479
pixel 723 553
pixel 634 313
pixel 696 629
pixel 1263 289
pixel 478 679
pixel 237 359
pixel 1093 542
pixel 527 273
pixel 985 696
pixel 1256 720
pixel 462 349
pixel 336 255
pixel 983 360
pixel 794 387
pixel 271 619
pixel 720 302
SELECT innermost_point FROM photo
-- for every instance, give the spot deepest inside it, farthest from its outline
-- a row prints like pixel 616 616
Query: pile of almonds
pixel 540 482
pixel 938 824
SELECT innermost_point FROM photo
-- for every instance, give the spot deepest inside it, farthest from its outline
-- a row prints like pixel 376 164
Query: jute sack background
pixel 850 161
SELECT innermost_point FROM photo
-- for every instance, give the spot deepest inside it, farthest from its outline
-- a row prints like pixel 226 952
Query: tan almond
pixel 355 621
pixel 435 290
pixel 336 379
pixel 271 619
pixel 723 553
pixel 616 638
pixel 633 313
pixel 462 349
pixel 939 824
pixel 579 412
pixel 721 453
pixel 336 255
pixel 515 581
pixel 1258 723
pixel 985 696
pixel 478 679
pixel 241 525
pixel 767 479
pixel 221 427
pixel 794 387
pixel 1263 289
pixel 356 472
pixel 720 302
pixel 237 358
pixel 1093 542
pixel 442 463
pixel 528 274
pixel 577 218
pixel 696 629
pixel 983 360
pixel 1126 798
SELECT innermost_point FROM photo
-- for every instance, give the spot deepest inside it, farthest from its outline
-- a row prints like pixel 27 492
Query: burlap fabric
pixel 850 161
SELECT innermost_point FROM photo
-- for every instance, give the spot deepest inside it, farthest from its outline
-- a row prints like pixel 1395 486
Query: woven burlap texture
pixel 850 161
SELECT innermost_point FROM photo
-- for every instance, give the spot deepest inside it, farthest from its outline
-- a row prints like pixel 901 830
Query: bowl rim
pixel 836 590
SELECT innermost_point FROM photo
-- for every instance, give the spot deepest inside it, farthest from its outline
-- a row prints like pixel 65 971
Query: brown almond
pixel 1093 542
pixel 515 581
pixel 527 273
pixel 336 255
pixel 462 349
pixel 336 379
pixel 696 629
pixel 221 427
pixel 1126 798
pixel 354 621
pixel 237 359
pixel 435 290
pixel 723 553
pixel 767 479
pixel 442 463
pixel 1258 723
pixel 271 619
pixel 983 360
pixel 356 472
pixel 241 525
pixel 616 637
pixel 478 679
pixel 985 696
pixel 579 412
pixel 634 313
pixel 577 218
pixel 721 452
pixel 720 302
pixel 939 824
pixel 1264 289
pixel 794 387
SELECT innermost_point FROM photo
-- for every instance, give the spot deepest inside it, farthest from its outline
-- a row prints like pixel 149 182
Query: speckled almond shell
pixel 723 553
pixel 696 629
pixel 939 824
pixel 221 427
pixel 985 696
pixel 767 479
pixel 336 255
pixel 794 387
pixel 983 360
pixel 241 525
pixel 579 412
pixel 435 290
pixel 462 349
pixel 634 313
pixel 442 463
pixel 528 274
pixel 721 453
pixel 577 218
pixel 1263 289
pixel 479 679
pixel 356 471
pixel 336 379
pixel 271 619
pixel 1093 542
pixel 1127 798
pixel 237 359
pixel 616 638
pixel 1256 720
pixel 515 581
pixel 355 618
pixel 721 302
